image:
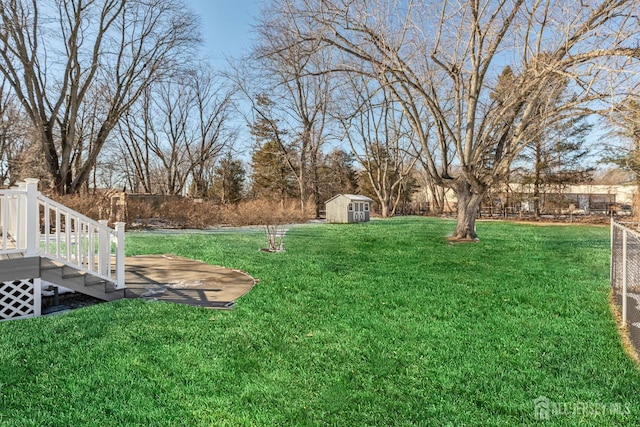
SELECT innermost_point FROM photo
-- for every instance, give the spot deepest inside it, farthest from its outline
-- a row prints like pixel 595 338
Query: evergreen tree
pixel 271 178
pixel 557 158
pixel 228 181
pixel 338 175
pixel 275 173
pixel 625 119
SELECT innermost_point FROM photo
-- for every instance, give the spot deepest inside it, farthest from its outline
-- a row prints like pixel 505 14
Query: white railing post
pixel 104 248
pixel 37 297
pixel 5 217
pixel 120 282
pixel 31 231
pixel 17 202
pixel 3 212
pixel 624 277
pixel 18 215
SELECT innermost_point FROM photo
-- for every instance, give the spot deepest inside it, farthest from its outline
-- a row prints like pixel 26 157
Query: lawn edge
pixel 623 331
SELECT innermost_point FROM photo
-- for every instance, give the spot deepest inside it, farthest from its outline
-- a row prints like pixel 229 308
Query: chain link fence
pixel 625 275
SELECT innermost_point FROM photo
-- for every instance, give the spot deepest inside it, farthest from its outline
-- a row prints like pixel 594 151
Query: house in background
pixel 516 199
pixel 348 208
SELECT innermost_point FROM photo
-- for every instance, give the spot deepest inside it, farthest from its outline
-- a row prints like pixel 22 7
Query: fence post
pixel 104 248
pixel 120 282
pixel 611 245
pixel 32 232
pixel 624 277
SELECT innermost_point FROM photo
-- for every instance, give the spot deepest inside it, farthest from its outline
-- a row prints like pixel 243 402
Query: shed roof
pixel 352 197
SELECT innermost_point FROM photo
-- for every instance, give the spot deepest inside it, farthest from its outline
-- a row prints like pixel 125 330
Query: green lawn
pixel 382 323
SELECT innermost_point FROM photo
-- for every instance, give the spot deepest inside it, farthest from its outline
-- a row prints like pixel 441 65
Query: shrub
pixel 94 206
pixel 179 212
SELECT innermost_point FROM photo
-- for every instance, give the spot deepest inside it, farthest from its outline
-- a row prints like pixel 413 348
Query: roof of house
pixel 352 197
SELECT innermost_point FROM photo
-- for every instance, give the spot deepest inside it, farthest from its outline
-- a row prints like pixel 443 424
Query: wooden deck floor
pixel 160 277
pixel 184 281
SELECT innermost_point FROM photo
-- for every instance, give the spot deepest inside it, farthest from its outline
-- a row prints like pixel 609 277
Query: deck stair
pixel 80 281
pixel 44 241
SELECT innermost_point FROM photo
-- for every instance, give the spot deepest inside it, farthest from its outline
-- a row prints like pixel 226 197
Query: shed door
pixel 359 211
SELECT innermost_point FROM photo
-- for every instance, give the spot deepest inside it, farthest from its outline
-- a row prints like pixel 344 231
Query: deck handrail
pixel 35 225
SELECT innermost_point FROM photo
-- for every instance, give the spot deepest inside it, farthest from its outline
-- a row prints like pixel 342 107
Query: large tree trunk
pixel 384 209
pixel 468 205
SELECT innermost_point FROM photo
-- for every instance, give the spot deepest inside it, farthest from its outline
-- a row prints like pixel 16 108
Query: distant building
pixel 575 199
pixel 553 199
pixel 348 208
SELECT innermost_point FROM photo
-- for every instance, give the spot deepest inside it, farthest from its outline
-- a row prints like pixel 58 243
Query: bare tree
pixel 171 139
pixel 153 140
pixel 298 102
pixel 441 60
pixel 54 53
pixel 12 135
pixel 212 130
pixel 136 131
pixel 380 138
pixel 175 133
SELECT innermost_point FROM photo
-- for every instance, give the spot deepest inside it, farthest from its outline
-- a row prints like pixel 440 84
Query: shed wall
pixel 337 210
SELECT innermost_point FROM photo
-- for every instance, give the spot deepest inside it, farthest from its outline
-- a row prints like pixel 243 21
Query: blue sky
pixel 226 27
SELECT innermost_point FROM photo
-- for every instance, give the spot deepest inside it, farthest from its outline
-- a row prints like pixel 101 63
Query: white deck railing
pixel 35 225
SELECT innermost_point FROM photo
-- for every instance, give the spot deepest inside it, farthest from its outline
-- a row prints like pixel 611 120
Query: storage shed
pixel 347 208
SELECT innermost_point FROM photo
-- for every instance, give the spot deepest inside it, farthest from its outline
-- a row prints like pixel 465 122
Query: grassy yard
pixel 381 323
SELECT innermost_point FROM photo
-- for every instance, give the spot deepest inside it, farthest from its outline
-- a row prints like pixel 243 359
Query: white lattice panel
pixel 19 299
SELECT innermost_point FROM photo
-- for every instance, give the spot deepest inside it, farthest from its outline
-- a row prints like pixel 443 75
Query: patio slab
pixel 184 281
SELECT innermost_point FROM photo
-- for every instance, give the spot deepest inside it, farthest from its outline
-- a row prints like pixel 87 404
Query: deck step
pixel 15 266
pixel 78 280
pixel 70 272
pixel 49 264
